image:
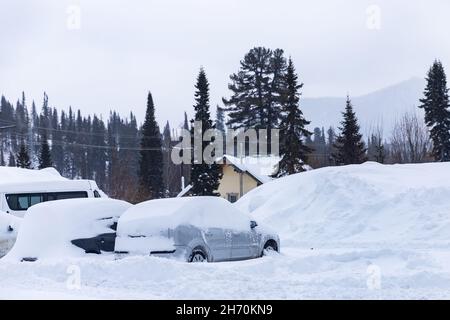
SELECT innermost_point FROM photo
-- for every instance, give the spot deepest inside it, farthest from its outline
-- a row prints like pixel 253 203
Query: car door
pixel 219 243
pixel 241 245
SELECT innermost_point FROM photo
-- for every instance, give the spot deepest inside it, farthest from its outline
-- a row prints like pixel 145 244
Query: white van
pixel 16 198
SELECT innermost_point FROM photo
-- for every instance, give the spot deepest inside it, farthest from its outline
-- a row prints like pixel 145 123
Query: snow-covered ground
pixel 355 232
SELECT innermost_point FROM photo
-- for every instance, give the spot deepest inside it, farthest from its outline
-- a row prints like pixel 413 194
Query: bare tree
pixel 410 141
pixel 376 150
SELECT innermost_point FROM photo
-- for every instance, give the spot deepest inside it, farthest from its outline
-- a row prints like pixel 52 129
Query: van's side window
pixel 97 194
pixel 21 202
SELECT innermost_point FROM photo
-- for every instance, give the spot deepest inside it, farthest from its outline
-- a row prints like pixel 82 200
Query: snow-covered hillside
pixel 358 205
pixel 381 107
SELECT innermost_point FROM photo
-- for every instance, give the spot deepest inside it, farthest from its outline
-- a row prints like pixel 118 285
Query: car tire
pixel 198 255
pixel 270 245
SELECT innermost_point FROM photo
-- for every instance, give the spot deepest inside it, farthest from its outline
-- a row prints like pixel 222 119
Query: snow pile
pixel 151 217
pixel 9 226
pixel 49 227
pixel 357 205
pixel 10 175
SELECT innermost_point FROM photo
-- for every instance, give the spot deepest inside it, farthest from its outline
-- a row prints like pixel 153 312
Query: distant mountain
pixel 379 107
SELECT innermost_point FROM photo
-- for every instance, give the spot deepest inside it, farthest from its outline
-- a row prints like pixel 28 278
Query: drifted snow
pixel 358 205
pixel 337 225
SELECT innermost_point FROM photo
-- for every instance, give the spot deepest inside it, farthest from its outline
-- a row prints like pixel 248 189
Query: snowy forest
pixel 120 151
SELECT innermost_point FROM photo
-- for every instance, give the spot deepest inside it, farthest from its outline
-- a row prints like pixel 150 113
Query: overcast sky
pixel 122 49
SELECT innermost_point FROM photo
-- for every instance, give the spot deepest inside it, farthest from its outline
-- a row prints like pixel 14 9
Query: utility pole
pixel 1 135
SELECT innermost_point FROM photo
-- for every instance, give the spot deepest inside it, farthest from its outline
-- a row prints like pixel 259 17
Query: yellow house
pixel 238 178
pixel 240 175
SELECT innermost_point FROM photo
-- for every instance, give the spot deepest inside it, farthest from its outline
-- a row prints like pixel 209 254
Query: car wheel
pixel 270 245
pixel 198 255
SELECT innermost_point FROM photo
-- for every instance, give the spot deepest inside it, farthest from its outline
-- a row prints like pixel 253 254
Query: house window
pixel 232 197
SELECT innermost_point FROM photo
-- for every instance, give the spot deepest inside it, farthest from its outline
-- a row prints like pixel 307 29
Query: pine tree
pixel 23 158
pixel 97 155
pixel 257 91
pixel 437 114
pixel 330 145
pixel 2 157
pixel 349 146
pixel 204 176
pixel 220 119
pixel 45 157
pixel 375 148
pixel 293 151
pixel 186 122
pixel 11 160
pixel 151 157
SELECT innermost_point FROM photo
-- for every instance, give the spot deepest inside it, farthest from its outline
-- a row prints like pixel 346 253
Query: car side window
pixel 97 194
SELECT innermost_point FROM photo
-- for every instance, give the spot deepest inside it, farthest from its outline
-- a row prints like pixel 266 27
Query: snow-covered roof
pixel 28 180
pixel 259 167
pixel 11 175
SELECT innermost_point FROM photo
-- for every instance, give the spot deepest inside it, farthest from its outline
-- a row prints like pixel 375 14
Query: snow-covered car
pixel 194 229
pixel 67 228
pixel 9 226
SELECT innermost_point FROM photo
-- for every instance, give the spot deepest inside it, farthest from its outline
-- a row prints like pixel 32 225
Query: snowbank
pixel 151 217
pixel 48 227
pixel 9 226
pixel 9 175
pixel 358 205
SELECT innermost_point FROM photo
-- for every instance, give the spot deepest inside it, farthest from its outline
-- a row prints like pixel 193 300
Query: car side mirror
pixel 253 224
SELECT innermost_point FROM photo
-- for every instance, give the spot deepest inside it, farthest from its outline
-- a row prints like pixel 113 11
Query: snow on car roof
pixel 203 212
pixel 49 227
pixel 11 175
pixel 48 179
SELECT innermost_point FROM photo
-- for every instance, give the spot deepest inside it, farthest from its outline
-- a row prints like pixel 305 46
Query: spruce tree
pixel 437 114
pixel 186 122
pixel 11 160
pixel 220 119
pixel 349 146
pixel 45 156
pixel 151 156
pixel 23 158
pixel 257 91
pixel 204 176
pixel 293 150
pixel 2 157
